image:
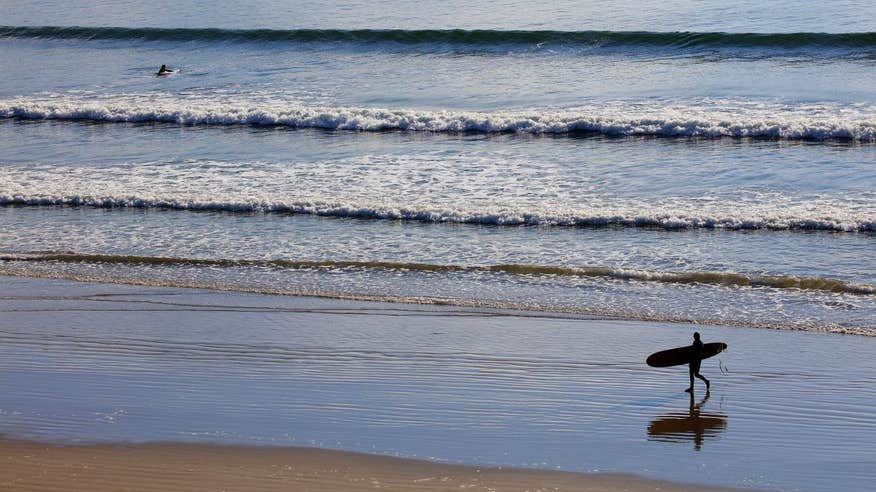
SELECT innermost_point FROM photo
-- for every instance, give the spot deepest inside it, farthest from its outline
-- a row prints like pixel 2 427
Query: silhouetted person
pixel 696 357
pixel 163 70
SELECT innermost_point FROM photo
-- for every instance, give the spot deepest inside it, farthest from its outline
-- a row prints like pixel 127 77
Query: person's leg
pixel 690 388
pixel 704 380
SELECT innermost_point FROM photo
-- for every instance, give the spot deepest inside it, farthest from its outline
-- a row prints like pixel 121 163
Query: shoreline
pixel 29 465
pixel 445 302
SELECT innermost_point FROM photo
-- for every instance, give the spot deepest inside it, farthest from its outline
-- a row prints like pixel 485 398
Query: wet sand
pixel 94 366
pixel 29 466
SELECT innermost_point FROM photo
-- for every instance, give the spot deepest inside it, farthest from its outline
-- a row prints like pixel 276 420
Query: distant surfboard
pixel 682 355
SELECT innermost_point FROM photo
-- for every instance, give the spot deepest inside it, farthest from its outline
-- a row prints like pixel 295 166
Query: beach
pixel 377 244
pixel 32 466
pixel 140 373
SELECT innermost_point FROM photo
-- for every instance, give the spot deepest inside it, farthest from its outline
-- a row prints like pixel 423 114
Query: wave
pixel 708 278
pixel 670 221
pixel 728 121
pixel 860 40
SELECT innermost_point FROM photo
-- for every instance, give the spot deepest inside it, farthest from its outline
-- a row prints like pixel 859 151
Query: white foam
pixel 495 188
pixel 682 219
pixel 704 118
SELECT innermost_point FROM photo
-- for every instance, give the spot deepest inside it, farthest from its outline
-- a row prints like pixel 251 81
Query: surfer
pixel 696 358
pixel 163 70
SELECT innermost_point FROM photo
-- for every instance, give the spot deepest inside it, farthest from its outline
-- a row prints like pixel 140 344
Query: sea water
pixel 91 362
pixel 705 162
pixel 657 162
pixel 654 162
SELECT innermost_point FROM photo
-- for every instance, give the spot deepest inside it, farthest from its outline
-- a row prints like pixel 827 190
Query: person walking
pixel 695 360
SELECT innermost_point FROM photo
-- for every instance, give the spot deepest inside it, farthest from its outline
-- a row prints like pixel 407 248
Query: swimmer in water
pixel 163 70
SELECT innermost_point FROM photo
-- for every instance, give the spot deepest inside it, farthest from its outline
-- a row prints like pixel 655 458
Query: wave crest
pixel 477 37
pixel 709 121
pixel 509 218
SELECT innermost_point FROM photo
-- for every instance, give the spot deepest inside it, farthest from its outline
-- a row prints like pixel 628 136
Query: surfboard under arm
pixel 683 355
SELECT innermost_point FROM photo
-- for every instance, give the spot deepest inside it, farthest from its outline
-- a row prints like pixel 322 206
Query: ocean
pixel 658 163
pixel 684 163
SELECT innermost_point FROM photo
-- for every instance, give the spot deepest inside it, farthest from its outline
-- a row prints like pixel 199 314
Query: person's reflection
pixel 696 426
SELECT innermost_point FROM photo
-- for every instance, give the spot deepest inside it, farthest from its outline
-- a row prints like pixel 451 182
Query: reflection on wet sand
pixel 694 426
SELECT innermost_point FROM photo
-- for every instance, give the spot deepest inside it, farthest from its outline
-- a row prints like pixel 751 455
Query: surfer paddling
pixel 696 357
pixel 163 71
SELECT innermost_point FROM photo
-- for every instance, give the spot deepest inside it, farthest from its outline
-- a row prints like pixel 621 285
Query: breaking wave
pixel 681 220
pixel 722 119
pixel 707 278
pixel 864 40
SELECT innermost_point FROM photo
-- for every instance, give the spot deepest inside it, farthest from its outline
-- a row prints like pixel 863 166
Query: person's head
pixel 163 67
pixel 696 335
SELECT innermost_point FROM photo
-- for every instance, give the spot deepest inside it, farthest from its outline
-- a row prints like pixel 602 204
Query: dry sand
pixel 26 465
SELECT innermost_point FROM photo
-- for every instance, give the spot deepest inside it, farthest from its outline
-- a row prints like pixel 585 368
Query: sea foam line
pixel 461 302
pixel 670 121
pixel 707 278
pixel 669 221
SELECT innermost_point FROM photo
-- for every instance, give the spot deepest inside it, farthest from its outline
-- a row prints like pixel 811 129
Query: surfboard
pixel 682 355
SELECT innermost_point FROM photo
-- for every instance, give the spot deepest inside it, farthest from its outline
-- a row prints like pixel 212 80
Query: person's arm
pixel 697 350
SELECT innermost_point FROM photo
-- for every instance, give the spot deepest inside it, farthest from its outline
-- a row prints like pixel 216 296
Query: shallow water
pixel 91 362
